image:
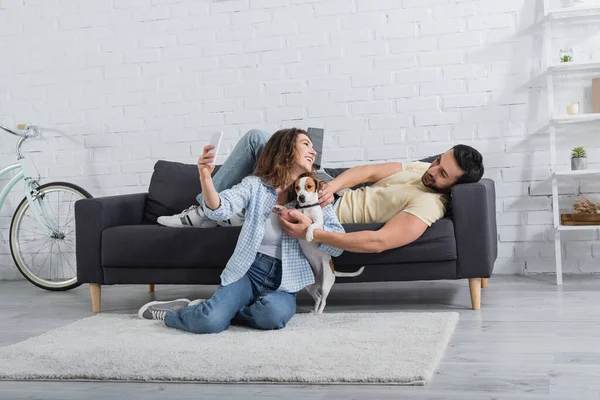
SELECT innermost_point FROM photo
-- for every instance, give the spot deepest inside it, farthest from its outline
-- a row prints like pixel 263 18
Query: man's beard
pixel 427 181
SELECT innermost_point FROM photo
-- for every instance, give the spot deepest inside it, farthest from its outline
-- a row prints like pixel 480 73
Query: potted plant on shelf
pixel 578 158
pixel 565 55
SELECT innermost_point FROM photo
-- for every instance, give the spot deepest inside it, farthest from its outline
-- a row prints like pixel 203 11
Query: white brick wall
pixel 119 85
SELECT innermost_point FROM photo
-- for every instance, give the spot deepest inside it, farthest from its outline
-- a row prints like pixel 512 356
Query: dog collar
pixel 308 206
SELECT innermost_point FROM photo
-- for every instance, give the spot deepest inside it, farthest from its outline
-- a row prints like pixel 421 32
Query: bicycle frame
pixel 40 214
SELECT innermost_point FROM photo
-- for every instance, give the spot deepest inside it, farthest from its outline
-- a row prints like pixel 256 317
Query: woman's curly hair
pixel 276 162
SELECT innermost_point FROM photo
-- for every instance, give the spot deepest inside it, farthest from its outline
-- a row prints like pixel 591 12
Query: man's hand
pixel 326 194
pixel 294 223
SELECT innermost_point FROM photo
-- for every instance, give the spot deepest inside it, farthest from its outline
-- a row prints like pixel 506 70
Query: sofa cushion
pixel 437 243
pixel 151 246
pixel 173 188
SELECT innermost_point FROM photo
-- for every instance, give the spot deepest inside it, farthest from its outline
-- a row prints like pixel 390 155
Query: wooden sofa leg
pixel 151 288
pixel 475 288
pixel 95 292
pixel 484 282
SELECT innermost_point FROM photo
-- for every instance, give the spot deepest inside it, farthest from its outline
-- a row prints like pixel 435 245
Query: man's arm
pixel 402 229
pixel 365 173
pixel 355 176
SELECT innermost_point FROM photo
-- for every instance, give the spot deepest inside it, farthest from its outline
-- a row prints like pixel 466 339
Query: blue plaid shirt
pixel 258 199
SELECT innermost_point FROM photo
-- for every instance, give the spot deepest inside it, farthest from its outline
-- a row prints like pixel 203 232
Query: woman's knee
pixel 256 137
pixel 274 314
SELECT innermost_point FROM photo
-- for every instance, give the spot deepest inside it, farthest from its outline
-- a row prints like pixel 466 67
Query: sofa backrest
pixel 173 188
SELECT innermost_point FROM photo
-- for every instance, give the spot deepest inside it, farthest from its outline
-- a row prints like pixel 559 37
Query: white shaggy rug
pixel 390 348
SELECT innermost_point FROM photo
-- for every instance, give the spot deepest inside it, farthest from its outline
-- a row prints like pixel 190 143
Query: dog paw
pixel 277 209
pixel 309 236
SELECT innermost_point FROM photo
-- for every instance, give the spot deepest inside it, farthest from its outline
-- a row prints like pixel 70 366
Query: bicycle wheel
pixel 47 260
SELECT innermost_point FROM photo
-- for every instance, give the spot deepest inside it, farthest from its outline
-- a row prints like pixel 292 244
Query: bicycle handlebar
pixel 29 130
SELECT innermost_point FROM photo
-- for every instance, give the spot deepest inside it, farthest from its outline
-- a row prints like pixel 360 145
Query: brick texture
pixel 120 85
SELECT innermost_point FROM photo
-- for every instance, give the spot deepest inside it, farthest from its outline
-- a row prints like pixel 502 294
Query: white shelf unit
pixel 570 12
pixel 573 67
pixel 574 119
pixel 578 228
pixel 585 172
pixel 564 15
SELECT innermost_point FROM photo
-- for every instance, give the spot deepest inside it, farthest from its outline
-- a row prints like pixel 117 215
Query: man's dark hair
pixel 470 161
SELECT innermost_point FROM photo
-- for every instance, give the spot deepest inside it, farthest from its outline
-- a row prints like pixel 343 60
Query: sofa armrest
pixel 474 216
pixel 92 216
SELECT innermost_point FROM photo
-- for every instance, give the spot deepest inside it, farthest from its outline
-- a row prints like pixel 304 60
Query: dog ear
pixel 321 185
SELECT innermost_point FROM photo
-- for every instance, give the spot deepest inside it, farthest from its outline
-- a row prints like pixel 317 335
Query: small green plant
pixel 578 152
pixel 565 58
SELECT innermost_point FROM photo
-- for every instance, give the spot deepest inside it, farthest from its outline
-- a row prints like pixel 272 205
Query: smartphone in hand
pixel 215 141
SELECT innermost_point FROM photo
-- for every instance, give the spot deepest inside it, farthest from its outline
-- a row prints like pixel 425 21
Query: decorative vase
pixel 565 55
pixel 578 164
pixel 573 108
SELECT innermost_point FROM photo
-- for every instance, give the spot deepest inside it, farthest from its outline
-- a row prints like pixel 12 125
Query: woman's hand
pixel 294 223
pixel 326 194
pixel 211 197
pixel 204 168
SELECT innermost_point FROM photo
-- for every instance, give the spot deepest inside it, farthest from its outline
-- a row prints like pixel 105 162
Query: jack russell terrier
pixel 307 193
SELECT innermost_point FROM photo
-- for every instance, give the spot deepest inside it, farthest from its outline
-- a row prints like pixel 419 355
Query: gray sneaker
pixel 158 309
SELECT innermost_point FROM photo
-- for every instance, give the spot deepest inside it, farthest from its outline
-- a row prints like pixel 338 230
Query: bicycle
pixel 42 230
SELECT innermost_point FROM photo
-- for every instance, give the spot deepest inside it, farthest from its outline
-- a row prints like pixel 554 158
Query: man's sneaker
pixel 193 217
pixel 158 309
pixel 196 302
pixel 236 220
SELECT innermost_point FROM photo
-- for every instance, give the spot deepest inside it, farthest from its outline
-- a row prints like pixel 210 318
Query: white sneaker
pixel 196 302
pixel 236 220
pixel 193 217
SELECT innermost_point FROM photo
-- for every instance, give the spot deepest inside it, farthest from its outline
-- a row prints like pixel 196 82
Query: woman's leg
pixel 271 310
pixel 215 314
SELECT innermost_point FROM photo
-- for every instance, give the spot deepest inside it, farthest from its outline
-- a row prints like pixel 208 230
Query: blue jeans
pixel 241 161
pixel 251 301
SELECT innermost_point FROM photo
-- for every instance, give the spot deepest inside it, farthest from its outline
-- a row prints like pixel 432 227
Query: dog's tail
pixel 349 274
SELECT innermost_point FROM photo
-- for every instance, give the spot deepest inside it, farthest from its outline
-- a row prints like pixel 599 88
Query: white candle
pixel 573 109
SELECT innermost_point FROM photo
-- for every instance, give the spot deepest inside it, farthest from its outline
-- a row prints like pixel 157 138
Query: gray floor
pixel 531 340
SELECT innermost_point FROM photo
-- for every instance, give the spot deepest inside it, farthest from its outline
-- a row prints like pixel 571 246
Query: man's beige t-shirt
pixel 402 191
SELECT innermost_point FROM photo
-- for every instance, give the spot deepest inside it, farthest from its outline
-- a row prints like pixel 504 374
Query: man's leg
pixel 239 164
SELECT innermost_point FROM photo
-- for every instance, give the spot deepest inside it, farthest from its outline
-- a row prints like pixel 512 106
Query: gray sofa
pixel 119 242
